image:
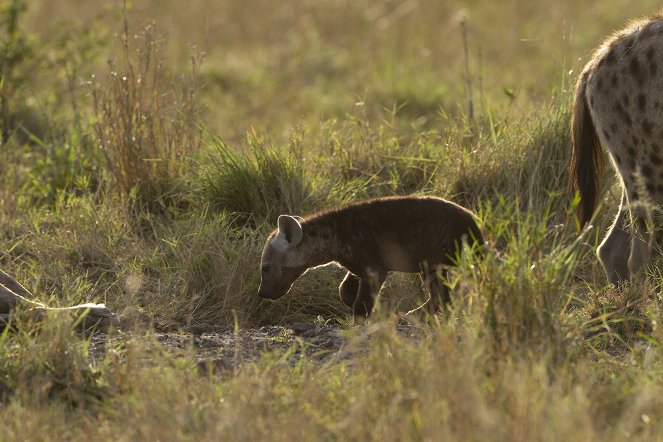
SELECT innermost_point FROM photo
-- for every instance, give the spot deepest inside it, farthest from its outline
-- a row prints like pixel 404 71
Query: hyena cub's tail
pixel 586 159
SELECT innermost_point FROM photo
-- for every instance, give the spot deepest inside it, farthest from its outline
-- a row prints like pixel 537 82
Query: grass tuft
pixel 145 123
pixel 152 189
pixel 262 183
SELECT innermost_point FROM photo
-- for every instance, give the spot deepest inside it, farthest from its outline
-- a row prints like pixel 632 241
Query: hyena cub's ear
pixel 290 228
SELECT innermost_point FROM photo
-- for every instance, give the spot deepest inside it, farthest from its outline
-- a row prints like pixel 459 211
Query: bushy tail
pixel 586 159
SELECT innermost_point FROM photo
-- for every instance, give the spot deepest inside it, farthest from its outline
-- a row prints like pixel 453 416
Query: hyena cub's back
pixel 402 232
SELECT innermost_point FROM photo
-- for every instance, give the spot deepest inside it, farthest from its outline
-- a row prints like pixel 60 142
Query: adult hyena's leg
pixel 641 240
pixel 616 246
pixel 369 287
pixel 348 289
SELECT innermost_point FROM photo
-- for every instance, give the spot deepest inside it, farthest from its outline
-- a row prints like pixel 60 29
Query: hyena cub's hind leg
pixel 432 281
pixel 348 289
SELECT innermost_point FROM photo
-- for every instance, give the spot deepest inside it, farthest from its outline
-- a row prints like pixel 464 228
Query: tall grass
pixel 146 123
pixel 16 62
pixel 263 182
pixel 445 383
pixel 521 289
pixel 307 105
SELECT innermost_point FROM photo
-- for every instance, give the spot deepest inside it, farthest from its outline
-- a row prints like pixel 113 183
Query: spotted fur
pixel 619 106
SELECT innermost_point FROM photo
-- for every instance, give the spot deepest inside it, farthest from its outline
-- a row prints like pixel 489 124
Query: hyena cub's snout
pixel 270 286
pixel 276 282
pixel 265 292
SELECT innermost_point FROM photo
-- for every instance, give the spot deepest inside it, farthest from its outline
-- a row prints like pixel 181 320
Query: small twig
pixel 468 75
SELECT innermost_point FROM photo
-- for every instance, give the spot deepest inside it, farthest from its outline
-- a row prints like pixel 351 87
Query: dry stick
pixel 468 76
pixel 482 95
pixel 9 300
pixel 14 286
pixel 12 294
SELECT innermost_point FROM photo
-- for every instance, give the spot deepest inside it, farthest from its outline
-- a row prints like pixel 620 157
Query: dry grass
pixel 146 123
pixel 114 195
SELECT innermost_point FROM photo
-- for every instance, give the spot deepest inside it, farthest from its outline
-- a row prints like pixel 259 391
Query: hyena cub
pixel 370 238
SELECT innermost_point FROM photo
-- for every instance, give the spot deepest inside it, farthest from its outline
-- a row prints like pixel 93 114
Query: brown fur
pixel 369 238
pixel 586 159
pixel 619 106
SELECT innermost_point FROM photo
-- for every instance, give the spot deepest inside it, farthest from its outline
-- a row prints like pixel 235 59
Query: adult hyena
pixel 369 238
pixel 619 105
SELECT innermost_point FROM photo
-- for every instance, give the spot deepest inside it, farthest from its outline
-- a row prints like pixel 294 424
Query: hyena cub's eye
pixel 265 268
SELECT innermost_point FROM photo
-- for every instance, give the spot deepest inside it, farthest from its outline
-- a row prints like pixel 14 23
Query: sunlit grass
pixel 143 172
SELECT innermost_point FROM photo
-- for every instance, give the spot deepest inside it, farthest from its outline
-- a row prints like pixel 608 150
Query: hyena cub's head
pixel 282 261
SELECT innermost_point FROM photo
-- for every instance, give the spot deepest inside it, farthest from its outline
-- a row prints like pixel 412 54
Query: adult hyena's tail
pixel 586 160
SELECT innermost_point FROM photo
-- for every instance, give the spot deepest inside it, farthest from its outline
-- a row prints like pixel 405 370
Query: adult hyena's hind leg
pixel 348 289
pixel 614 251
pixel 628 245
pixel 641 241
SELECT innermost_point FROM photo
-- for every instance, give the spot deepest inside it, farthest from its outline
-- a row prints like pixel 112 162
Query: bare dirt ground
pixel 226 350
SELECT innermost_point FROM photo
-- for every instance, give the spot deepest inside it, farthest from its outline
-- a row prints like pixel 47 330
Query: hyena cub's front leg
pixel 348 289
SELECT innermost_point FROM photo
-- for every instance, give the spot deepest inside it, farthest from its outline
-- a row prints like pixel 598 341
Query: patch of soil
pixel 225 350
